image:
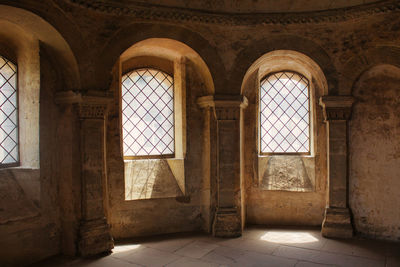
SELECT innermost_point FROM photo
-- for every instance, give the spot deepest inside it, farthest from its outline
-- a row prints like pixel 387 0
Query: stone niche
pixel 374 161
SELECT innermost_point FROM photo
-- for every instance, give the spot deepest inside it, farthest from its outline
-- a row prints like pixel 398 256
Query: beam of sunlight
pixel 124 248
pixel 288 237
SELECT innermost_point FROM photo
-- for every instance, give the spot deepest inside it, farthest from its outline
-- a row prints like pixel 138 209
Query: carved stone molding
pixel 164 13
pixel 336 107
pixel 90 105
pixel 226 107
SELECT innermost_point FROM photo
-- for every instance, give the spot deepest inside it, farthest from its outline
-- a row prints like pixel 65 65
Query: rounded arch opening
pixel 21 26
pixel 279 60
pixel 274 176
pixel 170 50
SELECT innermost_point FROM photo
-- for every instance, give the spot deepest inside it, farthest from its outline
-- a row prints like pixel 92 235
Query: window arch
pixel 147 113
pixel 284 114
pixel 9 140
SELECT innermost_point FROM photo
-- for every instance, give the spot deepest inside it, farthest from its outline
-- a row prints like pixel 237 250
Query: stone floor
pixel 259 246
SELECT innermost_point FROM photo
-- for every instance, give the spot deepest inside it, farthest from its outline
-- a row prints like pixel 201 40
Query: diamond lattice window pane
pixel 284 113
pixel 8 112
pixel 147 113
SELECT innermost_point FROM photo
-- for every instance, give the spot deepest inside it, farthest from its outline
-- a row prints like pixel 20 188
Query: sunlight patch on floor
pixel 288 237
pixel 124 248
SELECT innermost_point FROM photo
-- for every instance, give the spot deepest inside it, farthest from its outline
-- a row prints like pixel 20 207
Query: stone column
pixel 94 231
pixel 337 220
pixel 95 236
pixel 227 111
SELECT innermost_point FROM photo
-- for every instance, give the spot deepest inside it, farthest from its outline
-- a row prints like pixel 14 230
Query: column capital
pixel 91 111
pixel 226 107
pixel 90 104
pixel 336 107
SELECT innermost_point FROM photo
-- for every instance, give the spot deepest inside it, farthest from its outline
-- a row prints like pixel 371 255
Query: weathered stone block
pixel 95 237
pixel 227 223
pixel 337 223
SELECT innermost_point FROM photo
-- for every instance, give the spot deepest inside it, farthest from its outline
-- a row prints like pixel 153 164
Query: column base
pixel 95 237
pixel 227 223
pixel 337 223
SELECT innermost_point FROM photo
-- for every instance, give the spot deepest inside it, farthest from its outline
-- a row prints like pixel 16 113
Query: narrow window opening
pixel 284 114
pixel 9 149
pixel 147 114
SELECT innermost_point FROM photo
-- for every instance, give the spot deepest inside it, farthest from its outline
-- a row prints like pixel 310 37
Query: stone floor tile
pixel 190 262
pixel 250 245
pixel 346 260
pixel 169 245
pixel 149 257
pixel 102 262
pixel 196 249
pixel 306 238
pixel 224 255
pixel 248 250
pixel 311 264
pixel 296 253
pixel 362 248
pixel 260 259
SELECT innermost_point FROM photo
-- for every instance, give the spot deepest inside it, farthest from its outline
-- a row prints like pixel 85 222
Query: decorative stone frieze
pixel 337 111
pixel 227 110
pixel 179 15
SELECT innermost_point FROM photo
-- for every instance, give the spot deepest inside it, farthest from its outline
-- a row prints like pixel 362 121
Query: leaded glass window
pixel 284 113
pixel 8 113
pixel 147 113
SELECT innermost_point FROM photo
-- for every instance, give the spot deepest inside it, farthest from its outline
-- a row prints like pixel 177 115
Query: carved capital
pixel 226 107
pixel 336 107
pixel 92 111
pixel 227 113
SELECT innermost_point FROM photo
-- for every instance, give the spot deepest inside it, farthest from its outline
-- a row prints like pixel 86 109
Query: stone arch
pixel 357 65
pixel 20 20
pixel 284 42
pixel 24 35
pixel 263 168
pixel 137 32
pixel 171 50
pixel 174 180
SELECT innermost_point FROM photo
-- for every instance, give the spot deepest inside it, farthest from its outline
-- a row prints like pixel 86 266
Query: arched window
pixel 9 149
pixel 284 114
pixel 147 114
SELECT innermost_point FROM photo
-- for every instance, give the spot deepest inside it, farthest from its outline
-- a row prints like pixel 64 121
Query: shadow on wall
pixel 149 178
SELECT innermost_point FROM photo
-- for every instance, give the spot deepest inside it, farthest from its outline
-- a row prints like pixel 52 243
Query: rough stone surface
pixel 74 47
pixel 375 154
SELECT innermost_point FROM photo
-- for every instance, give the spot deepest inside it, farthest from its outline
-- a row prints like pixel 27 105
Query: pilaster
pixel 337 219
pixel 227 111
pixel 94 232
